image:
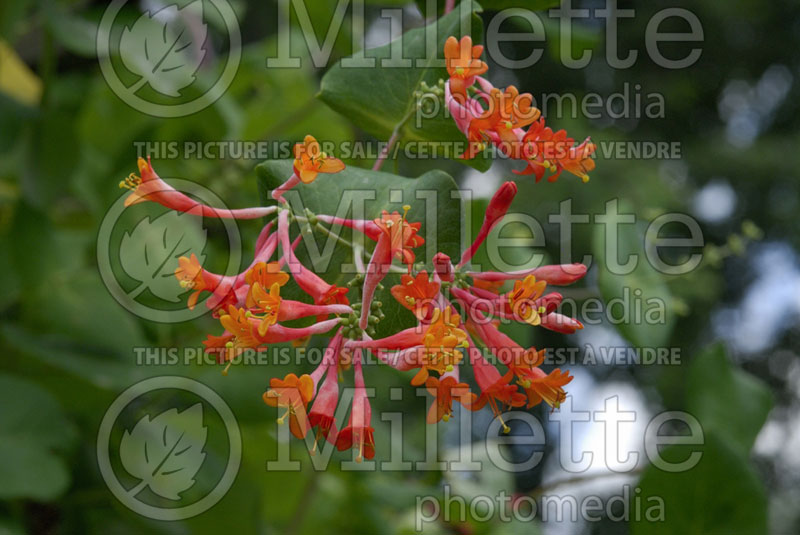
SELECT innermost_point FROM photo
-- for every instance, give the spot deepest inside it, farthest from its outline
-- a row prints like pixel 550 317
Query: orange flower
pixel 190 276
pixel 237 323
pixel 309 160
pixel 578 160
pixel 444 391
pixel 545 149
pixel 462 60
pixel 265 274
pixel 508 110
pixel 293 394
pixel 402 235
pixel 441 340
pixel 495 388
pixel 268 303
pixel 521 299
pixel 416 294
pixel 549 388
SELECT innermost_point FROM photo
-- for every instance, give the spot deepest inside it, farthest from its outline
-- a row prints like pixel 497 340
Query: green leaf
pixel 324 197
pixel 493 5
pixel 381 98
pixel 165 452
pixel 727 400
pixel 653 326
pixel 530 5
pixel 33 434
pixel 721 495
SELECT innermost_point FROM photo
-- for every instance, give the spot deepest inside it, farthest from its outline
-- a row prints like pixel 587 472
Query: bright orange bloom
pixel 549 388
pixel 578 160
pixel 416 294
pixel 268 303
pixel 293 394
pixel 309 161
pixel 237 323
pixel 545 149
pixel 495 388
pixel 507 111
pixel 190 276
pixel 402 235
pixel 444 391
pixel 463 62
pixel 265 274
pixel 521 299
pixel 442 341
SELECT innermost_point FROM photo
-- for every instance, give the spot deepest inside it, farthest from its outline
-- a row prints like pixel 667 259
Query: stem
pixel 356 249
pixel 385 152
pixel 392 140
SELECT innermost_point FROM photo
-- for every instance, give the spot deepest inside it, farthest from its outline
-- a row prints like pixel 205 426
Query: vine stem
pixel 356 249
pixel 385 152
pixel 392 140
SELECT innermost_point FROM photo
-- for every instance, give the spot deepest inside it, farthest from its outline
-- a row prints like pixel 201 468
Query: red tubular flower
pixel 367 227
pixel 320 291
pixel 278 333
pixel 495 388
pixel 275 309
pixel 556 275
pixel 443 268
pixel 293 394
pixel 358 434
pixel 501 345
pixel 150 187
pixel 463 63
pixel 560 323
pixel 417 294
pixel 322 414
pixel 397 239
pixel 497 209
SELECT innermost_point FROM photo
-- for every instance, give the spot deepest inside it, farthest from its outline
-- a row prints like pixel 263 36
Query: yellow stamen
pixel 131 182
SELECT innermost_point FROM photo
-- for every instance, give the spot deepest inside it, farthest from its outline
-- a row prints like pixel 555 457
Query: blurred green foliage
pixel 67 345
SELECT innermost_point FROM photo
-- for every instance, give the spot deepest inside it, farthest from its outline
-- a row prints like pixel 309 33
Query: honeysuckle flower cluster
pixel 486 114
pixel 456 312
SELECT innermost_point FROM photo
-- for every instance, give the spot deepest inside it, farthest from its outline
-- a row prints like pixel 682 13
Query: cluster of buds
pixel 456 312
pixel 489 115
